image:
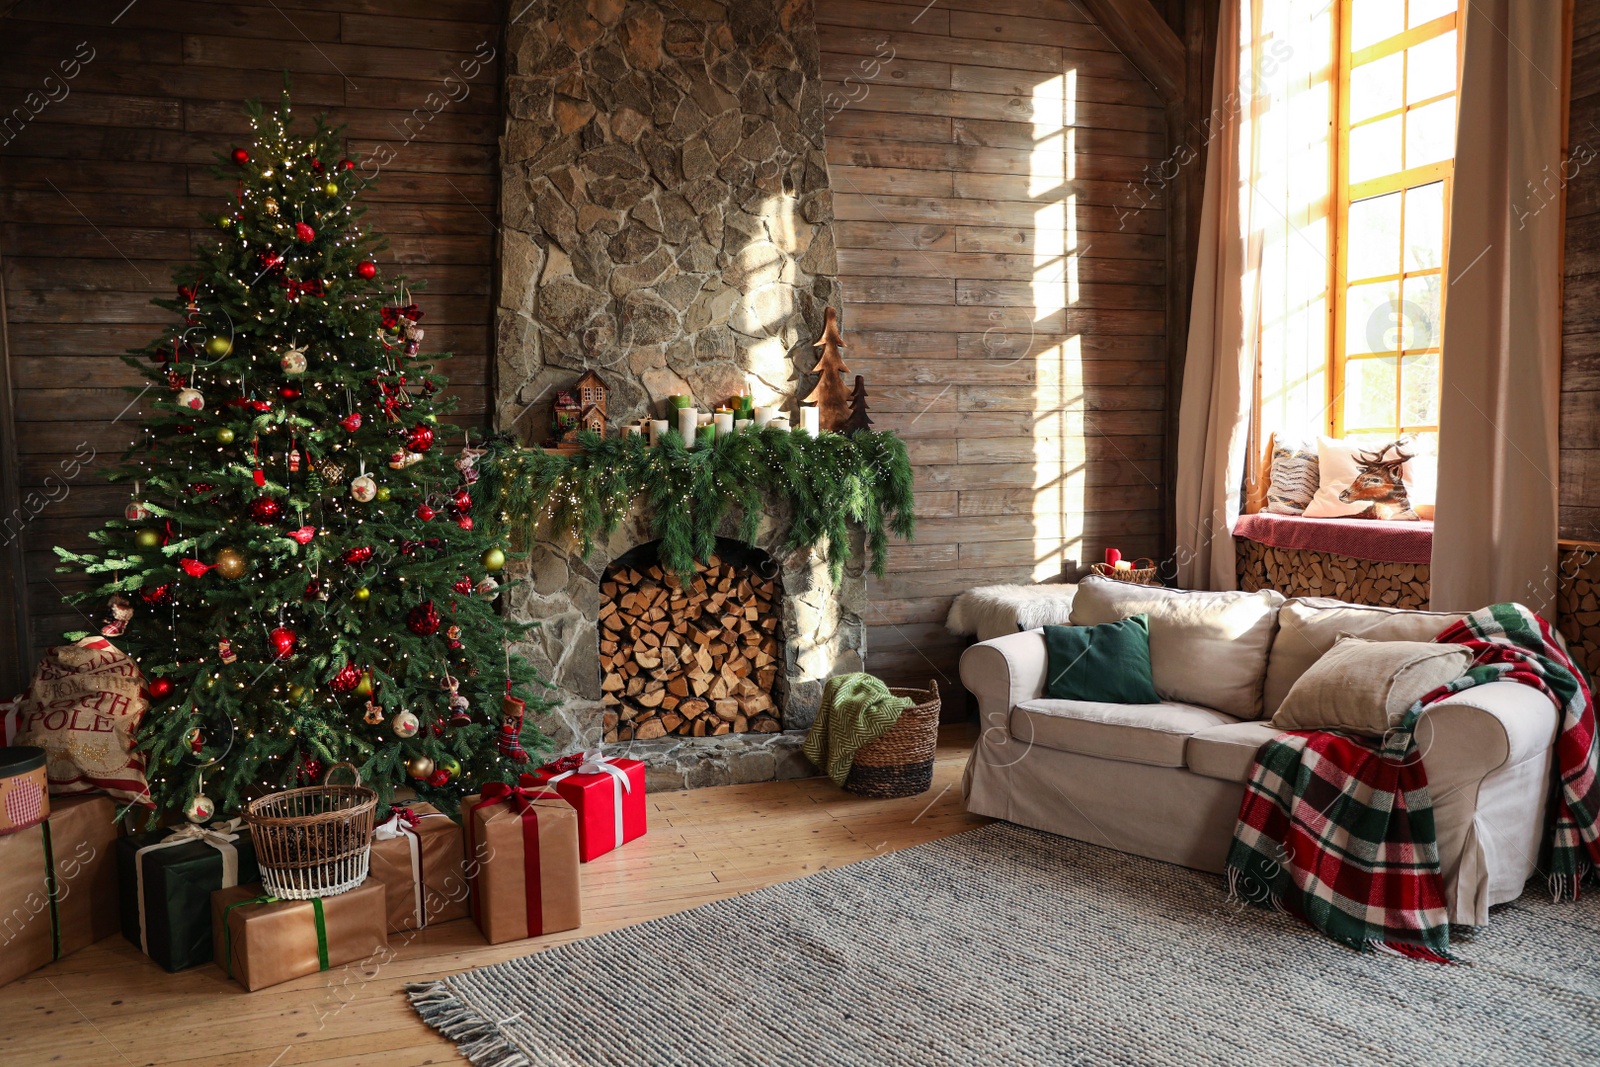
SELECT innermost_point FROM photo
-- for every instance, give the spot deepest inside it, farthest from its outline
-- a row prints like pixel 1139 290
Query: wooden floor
pixel 108 1005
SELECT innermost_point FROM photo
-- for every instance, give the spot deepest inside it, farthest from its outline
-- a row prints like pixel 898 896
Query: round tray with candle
pixel 1139 572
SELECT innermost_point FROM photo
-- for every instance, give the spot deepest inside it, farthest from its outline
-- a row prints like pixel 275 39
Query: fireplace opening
pixel 696 659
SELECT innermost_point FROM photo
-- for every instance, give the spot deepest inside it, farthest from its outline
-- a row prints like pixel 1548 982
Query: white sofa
pixel 1166 780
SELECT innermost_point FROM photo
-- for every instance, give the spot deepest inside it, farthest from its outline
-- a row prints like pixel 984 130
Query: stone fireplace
pixel 666 222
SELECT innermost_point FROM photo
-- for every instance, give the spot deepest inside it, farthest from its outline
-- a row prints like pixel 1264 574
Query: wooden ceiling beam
pixel 1139 32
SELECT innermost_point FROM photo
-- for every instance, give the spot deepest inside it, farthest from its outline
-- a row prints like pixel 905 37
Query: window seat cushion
pixel 1380 540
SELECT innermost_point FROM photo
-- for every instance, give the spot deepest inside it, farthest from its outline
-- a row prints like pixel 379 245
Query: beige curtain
pixel 1496 518
pixel 1213 415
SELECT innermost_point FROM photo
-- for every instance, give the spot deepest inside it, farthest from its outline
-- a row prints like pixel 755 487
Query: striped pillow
pixel 1295 475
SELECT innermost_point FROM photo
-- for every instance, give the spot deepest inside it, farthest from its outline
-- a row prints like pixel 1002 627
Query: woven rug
pixel 1004 945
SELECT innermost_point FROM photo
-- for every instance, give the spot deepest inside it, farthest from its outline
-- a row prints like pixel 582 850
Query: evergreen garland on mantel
pixel 829 483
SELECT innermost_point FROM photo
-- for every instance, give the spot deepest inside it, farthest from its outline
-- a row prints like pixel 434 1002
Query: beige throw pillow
pixel 1205 648
pixel 1368 686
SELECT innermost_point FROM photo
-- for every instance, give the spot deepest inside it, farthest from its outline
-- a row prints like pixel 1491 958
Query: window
pixel 1398 69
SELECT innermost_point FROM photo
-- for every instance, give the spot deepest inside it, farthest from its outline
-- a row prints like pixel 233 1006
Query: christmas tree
pixel 830 395
pixel 859 419
pixel 303 575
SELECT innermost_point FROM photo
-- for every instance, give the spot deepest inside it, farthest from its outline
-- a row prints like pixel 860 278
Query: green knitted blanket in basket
pixel 856 710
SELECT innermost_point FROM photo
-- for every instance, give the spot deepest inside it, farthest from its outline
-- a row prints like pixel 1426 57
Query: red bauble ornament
pixel 345 164
pixel 367 269
pixel 463 585
pixel 345 679
pixel 439 778
pixel 461 500
pixel 352 421
pixel 357 556
pixel 240 156
pixel 303 233
pixel 283 641
pixel 160 596
pixel 423 619
pixel 160 688
pixel 465 522
pixel 270 260
pixel 310 771
pixel 288 392
pixel 315 591
pixel 420 438
pixel 425 513
pixel 265 510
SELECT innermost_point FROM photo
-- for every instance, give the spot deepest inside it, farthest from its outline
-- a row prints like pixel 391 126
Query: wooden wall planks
pixel 101 195
pixel 1580 346
pixel 1005 286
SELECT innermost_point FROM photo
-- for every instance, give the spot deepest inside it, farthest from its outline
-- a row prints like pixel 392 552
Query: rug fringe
pixel 475 1037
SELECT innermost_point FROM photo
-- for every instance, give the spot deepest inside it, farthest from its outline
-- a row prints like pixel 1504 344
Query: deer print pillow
pixel 1357 481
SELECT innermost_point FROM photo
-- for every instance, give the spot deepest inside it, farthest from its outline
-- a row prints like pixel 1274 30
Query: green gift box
pixel 167 879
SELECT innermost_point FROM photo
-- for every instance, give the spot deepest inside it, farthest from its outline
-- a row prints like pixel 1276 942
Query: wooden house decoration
pixel 564 417
pixel 591 392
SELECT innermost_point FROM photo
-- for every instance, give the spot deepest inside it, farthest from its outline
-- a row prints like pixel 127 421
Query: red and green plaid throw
pixel 1338 829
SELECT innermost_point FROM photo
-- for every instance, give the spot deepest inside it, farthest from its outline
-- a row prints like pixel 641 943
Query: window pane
pixel 1369 394
pixel 1430 133
pixel 1377 87
pixel 1419 314
pixel 1430 68
pixel 1373 238
pixel 1419 390
pixel 1428 10
pixel 1372 318
pixel 1372 21
pixel 1375 149
pixel 1425 227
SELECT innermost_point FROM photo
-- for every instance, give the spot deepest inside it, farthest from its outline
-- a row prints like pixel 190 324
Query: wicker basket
pixel 1143 572
pixel 313 841
pixel 900 763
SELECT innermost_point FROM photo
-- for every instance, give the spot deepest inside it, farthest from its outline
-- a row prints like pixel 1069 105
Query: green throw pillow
pixel 1109 663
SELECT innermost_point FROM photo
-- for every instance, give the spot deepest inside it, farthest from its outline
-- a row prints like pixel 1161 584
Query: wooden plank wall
pixel 1036 431
pixel 102 190
pixel 1580 347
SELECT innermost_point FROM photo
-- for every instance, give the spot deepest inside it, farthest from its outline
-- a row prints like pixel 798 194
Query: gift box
pixel 522 861
pixel 417 855
pixel 168 877
pixel 24 789
pixel 58 884
pixel 261 941
pixel 608 795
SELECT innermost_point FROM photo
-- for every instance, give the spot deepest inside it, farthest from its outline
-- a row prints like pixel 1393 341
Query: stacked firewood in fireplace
pixel 698 659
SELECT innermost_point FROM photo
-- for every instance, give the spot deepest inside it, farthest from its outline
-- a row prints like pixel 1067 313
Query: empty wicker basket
pixel 314 841
pixel 900 763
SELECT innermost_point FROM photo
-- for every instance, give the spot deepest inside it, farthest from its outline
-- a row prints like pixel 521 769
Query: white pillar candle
pixel 688 419
pixel 658 427
pixel 723 421
pixel 630 429
pixel 702 418
pixel 811 419
pixel 778 423
pixel 742 425
pixel 764 416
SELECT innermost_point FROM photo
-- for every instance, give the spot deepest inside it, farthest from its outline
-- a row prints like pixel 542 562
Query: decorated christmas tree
pixel 303 575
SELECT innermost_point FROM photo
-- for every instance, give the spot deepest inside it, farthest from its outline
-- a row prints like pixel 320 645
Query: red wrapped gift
pixel 609 796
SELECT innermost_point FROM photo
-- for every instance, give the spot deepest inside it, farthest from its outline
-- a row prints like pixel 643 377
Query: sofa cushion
pixel 1205 648
pixel 1227 751
pixel 1368 686
pixel 1109 662
pixel 1129 733
pixel 1309 626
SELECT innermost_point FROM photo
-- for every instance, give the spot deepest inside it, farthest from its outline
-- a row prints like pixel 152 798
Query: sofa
pixel 1166 780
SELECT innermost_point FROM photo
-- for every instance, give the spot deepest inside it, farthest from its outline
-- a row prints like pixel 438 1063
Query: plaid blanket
pixel 1339 829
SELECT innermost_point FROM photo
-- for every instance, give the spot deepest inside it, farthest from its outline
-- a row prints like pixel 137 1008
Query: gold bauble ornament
pixel 225 221
pixel 147 538
pixel 332 188
pixel 362 594
pixel 230 563
pixel 219 346
pixel 493 559
pixel 224 435
pixel 270 205
pixel 419 767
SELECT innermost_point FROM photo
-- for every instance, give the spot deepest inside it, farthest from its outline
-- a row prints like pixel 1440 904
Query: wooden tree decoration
pixel 830 395
pixel 858 420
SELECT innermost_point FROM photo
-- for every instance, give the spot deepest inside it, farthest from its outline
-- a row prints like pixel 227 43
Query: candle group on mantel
pixel 699 428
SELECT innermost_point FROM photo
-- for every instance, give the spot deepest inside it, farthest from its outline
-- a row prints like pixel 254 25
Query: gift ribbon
pixel 596 761
pixel 521 797
pixel 316 914
pixel 52 890
pixel 403 823
pixel 220 837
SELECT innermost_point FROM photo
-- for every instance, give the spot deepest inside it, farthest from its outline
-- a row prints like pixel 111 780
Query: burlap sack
pixel 83 708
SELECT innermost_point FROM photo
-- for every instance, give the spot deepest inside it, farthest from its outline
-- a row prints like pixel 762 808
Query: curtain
pixel 1496 520
pixel 1259 314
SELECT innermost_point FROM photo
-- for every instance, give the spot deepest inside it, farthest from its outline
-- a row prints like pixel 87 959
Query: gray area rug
pixel 1005 945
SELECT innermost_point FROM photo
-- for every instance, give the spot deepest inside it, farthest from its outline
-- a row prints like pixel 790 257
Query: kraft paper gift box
pixel 168 877
pixel 608 795
pixel 417 855
pixel 261 941
pixel 522 859
pixel 58 885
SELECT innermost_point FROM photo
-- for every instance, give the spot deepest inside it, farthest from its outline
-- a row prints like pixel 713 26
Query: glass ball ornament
pixel 405 725
pixel 230 563
pixel 362 594
pixel 218 346
pixel 331 189
pixel 367 269
pixel 363 488
pixel 297 692
pixel 419 767
pixel 160 688
pixel 225 435
pixel 225 221
pixel 192 399
pixel 200 809
pixel 136 511
pixel 492 559
pixel 147 538
pixel 383 494
pixel 269 205
pixel 449 764
pixel 293 361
